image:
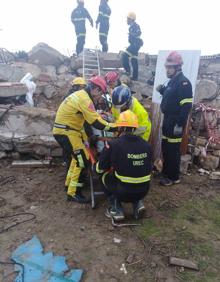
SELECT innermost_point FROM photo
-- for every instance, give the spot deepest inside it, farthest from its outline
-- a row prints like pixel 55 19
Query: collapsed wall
pixel 27 131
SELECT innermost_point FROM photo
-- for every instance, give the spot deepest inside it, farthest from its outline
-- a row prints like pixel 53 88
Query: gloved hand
pixel 178 130
pixel 159 87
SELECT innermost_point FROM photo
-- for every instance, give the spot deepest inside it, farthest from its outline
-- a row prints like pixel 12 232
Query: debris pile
pixel 28 131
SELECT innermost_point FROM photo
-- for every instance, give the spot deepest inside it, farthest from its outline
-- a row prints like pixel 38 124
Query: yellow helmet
pixel 127 119
pixel 79 81
pixel 131 16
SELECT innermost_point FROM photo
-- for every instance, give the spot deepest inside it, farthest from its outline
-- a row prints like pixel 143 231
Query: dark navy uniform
pixel 132 51
pixel 176 105
pixel 129 159
pixel 103 21
pixel 78 18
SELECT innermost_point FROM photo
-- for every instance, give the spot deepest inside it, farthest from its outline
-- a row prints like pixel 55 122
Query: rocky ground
pixel 181 221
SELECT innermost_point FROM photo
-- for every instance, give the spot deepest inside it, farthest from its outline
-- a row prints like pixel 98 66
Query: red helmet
pixel 100 82
pixel 174 59
pixel 111 77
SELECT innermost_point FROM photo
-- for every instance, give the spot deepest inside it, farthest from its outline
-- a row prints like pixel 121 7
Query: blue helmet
pixel 121 96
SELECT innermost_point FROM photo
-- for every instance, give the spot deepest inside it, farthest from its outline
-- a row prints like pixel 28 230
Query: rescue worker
pixel 125 166
pixel 176 105
pixel 123 100
pixel 71 115
pixel 78 18
pixel 78 83
pixel 103 23
pixel 112 81
pixel 131 52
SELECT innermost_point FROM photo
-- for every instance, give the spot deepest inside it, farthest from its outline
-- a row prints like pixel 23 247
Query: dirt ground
pixel 182 221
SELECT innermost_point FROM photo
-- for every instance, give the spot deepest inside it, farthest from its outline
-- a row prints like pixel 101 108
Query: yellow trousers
pixel 80 159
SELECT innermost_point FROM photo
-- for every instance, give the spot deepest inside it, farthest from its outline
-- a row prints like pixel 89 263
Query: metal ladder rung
pixel 87 66
pixel 91 63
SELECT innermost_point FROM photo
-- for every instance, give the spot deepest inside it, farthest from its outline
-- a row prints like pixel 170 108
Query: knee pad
pixel 81 159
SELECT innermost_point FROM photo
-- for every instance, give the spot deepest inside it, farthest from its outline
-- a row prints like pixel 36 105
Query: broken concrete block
pixel 57 152
pixel 3 155
pixel 201 141
pixel 110 60
pixel 62 69
pixel 28 121
pixel 142 90
pixel 6 140
pixel 43 54
pixel 184 263
pixel 49 91
pixel 185 162
pixel 213 68
pixel 10 73
pixel 209 162
pixel 198 150
pixel 12 89
pixel 17 70
pixel 46 78
pixel 215 175
pixel 63 80
pixel 216 153
pixel 41 145
pixel 15 156
pixel 49 70
pixel 205 89
pixel 26 67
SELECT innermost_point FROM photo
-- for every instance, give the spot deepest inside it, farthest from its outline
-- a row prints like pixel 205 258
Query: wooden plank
pixel 31 163
pixel 183 263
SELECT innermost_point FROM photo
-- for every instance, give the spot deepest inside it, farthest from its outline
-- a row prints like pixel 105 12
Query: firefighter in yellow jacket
pixel 68 131
pixel 123 100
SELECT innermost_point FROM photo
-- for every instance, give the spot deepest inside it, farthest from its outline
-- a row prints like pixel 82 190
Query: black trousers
pixel 103 40
pixel 131 53
pixel 65 144
pixel 103 35
pixel 171 159
pixel 124 192
pixel 80 44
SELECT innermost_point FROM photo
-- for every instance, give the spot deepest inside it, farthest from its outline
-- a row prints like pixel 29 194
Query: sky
pixel 165 24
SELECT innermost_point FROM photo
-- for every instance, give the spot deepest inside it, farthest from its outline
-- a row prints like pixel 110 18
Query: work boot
pixel 78 197
pixel 139 209
pixel 115 211
pixel 168 182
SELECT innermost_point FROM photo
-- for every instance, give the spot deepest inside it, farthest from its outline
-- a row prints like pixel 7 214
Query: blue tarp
pixel 40 267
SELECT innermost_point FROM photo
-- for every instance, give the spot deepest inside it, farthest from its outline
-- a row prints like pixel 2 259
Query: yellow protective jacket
pixel 144 129
pixel 75 110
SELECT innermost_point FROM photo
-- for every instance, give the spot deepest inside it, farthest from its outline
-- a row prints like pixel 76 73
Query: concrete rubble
pixel 24 130
pixel 28 131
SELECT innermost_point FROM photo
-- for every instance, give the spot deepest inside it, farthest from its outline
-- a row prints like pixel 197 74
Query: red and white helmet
pixel 111 77
pixel 174 59
pixel 100 82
